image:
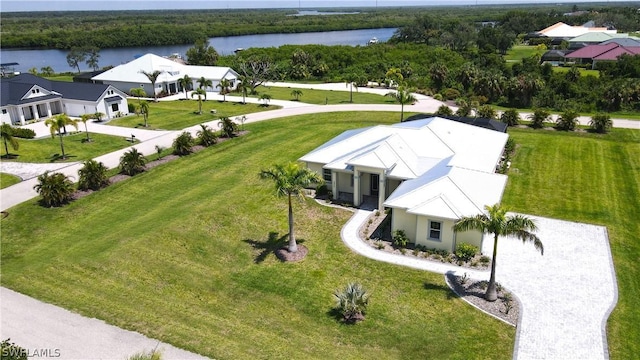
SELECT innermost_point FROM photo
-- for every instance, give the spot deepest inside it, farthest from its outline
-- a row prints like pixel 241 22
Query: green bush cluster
pixel 466 252
pixel 23 133
pixel 400 239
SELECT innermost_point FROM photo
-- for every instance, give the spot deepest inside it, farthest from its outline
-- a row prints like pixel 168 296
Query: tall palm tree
pixel 153 77
pixel 497 223
pixel 56 124
pixel 290 180
pixel 199 92
pixel 402 96
pixel 186 82
pixel 204 83
pixel 224 86
pixel 144 110
pixel 351 80
pixel 85 118
pixel 7 137
pixel 243 85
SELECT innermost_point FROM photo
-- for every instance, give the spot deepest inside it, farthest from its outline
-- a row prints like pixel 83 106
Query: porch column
pixel 382 191
pixel 34 110
pixel 356 187
pixel 334 184
pixel 21 116
pixel 48 109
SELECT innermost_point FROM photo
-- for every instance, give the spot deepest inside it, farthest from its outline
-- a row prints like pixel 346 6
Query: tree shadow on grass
pixel 268 246
pixel 9 156
pixel 442 289
pixel 57 157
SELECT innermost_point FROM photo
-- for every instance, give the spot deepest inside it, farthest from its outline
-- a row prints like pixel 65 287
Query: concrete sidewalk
pixel 566 295
pixel 55 333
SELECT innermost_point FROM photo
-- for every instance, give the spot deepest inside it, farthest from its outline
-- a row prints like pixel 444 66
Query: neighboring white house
pixel 129 75
pixel 27 97
pixel 430 172
pixel 562 30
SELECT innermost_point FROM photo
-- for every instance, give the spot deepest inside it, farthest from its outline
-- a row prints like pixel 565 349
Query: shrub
pixel 183 144
pixel 93 175
pixel 400 239
pixel 229 128
pixel 487 112
pixel 438 97
pixel 322 190
pixel 510 146
pixel 151 355
pixel 451 94
pixel 11 351
pixel 539 117
pixel 444 110
pixel 466 252
pixel 23 133
pixel 206 136
pixel 352 302
pixel 601 123
pixel 510 117
pixel 485 260
pixel 55 189
pixel 380 245
pixel 132 162
pixel 567 120
pixel 507 300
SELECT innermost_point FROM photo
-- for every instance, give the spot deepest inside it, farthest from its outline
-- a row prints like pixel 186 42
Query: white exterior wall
pixel 6 118
pixel 400 220
pixel 446 234
pixel 126 86
pixel 344 182
pixel 470 237
pixel 78 107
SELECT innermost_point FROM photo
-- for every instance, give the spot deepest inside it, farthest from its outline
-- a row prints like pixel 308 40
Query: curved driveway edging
pixel 565 296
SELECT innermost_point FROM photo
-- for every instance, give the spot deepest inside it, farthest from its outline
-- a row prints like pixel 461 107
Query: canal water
pixel 57 59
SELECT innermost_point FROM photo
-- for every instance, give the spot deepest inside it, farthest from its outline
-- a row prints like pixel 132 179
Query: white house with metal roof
pixel 27 97
pixel 430 172
pixel 129 75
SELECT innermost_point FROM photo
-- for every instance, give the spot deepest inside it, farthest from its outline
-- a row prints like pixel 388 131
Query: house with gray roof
pixel 430 172
pixel 26 97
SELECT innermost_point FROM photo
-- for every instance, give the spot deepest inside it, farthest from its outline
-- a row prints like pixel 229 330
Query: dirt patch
pixel 284 255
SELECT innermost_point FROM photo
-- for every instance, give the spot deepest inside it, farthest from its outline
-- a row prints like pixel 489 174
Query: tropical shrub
pixel 6 131
pixel 466 252
pixel 23 133
pixel 352 302
pixel 451 94
pixel 55 189
pixel 183 144
pixel 487 112
pixel 601 123
pixel 132 162
pixel 567 121
pixel 229 128
pixel 510 117
pixel 206 136
pixel 151 355
pixel 93 176
pixel 444 110
pixel 11 351
pixel 322 190
pixel 400 239
pixel 539 117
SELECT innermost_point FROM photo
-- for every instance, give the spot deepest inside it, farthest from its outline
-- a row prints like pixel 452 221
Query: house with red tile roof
pixel 601 52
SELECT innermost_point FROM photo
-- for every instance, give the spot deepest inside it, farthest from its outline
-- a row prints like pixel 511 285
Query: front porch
pixel 23 114
pixel 367 190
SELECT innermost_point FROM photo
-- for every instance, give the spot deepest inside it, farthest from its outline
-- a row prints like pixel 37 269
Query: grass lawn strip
pixel 177 254
pixel 322 97
pixel 7 180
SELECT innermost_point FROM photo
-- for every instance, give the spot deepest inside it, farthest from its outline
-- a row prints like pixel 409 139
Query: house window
pixel 326 175
pixel 114 107
pixel 4 111
pixel 435 230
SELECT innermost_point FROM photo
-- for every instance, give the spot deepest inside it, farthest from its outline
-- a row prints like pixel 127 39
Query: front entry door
pixel 374 184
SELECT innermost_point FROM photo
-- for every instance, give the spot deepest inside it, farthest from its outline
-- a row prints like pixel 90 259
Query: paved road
pixel 566 295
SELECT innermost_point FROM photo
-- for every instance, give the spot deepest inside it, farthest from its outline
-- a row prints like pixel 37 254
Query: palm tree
pixel 487 112
pixel 183 144
pixel 206 136
pixel 204 83
pixel 186 83
pixel 132 162
pixel 7 137
pixel 224 85
pixel 144 109
pixel 228 127
pixel 56 124
pixel 199 92
pixel 243 86
pixel 497 223
pixel 351 80
pixel 265 98
pixel 296 93
pixel 290 180
pixel 93 175
pixel 510 117
pixel 56 189
pixel 539 117
pixel 153 77
pixel 403 96
pixel 567 121
pixel 137 92
pixel 98 115
pixel 85 118
pixel 600 123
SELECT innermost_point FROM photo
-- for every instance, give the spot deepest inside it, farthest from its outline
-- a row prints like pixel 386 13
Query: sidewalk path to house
pixel 60 334
pixel 566 295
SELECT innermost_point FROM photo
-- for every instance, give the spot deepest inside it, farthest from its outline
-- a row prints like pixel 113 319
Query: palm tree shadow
pixel 268 246
pixel 443 289
pixel 58 157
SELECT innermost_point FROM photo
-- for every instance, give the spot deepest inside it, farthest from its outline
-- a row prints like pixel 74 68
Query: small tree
pixel 204 84
pixel 85 118
pixel 55 189
pixel 132 162
pixel 265 98
pixel 296 93
pixel 98 116
pixel 601 123
pixel 352 302
pixel 186 83
pixel 487 112
pixel 510 117
pixel 159 150
pixel 153 77
pixel 224 86
pixel 444 110
pixel 567 121
pixel 7 137
pixel 183 144
pixel 144 110
pixel 242 119
pixel 539 117
pixel 93 175
pixel 402 96
pixel 229 128
pixel 200 93
pixel 351 79
pixel 206 136
pixel 56 124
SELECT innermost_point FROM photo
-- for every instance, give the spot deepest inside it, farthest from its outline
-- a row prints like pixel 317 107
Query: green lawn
pixel 321 97
pixel 181 254
pixel 66 77
pixel 48 149
pixel 583 72
pixel 519 52
pixel 7 180
pixel 594 179
pixel 177 115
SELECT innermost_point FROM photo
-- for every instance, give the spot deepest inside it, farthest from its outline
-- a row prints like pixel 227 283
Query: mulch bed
pixel 284 255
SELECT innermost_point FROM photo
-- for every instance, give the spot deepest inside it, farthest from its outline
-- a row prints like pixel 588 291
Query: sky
pixel 54 5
